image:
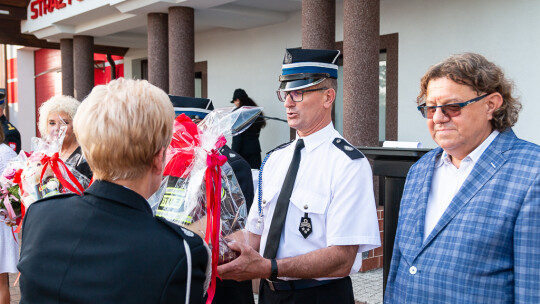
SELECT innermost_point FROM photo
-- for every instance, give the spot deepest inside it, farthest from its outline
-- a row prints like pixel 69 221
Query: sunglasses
pixel 451 110
pixel 296 95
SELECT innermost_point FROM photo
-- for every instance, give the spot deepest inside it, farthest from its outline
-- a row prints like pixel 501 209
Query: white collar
pixel 312 141
pixel 474 156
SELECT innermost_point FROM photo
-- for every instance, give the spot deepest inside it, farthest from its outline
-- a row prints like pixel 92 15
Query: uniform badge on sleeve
pixel 305 226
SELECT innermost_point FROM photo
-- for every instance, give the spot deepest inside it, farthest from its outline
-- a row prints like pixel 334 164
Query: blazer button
pixel 412 270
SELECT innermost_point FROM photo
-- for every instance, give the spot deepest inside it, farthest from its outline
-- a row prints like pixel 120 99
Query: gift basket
pixel 44 174
pixel 200 191
pixel 30 177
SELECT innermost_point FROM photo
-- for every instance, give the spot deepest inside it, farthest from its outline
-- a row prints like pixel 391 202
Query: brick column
pixel 66 54
pixel 318 24
pixel 182 51
pixel 361 72
pixel 83 66
pixel 158 54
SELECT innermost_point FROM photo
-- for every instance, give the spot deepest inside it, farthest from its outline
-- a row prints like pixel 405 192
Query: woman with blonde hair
pixel 106 246
pixel 55 113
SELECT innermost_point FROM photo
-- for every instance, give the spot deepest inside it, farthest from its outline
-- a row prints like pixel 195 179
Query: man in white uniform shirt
pixel 317 211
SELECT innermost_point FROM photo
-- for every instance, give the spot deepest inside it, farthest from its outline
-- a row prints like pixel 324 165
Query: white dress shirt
pixel 334 190
pixel 447 180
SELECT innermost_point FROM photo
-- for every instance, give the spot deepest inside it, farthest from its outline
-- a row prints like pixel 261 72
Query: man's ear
pixel 158 162
pixel 330 97
pixel 493 102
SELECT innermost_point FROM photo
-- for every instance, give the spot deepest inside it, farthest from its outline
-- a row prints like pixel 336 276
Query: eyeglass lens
pixel 451 110
pixel 295 95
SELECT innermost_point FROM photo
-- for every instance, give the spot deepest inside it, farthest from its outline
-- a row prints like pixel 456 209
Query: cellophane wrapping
pixel 44 174
pixel 182 198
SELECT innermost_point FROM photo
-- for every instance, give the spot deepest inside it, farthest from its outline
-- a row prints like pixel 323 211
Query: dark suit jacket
pixel 106 247
pixel 248 146
pixel 12 135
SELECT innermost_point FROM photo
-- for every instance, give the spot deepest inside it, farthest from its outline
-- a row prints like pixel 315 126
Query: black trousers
pixel 232 292
pixel 338 292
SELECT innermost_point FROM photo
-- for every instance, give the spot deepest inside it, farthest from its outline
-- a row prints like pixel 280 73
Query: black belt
pixel 295 284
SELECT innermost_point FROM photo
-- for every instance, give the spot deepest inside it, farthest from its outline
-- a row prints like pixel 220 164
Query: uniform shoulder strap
pixel 344 146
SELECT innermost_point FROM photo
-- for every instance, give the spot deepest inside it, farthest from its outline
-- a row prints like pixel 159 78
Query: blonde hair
pixel 121 126
pixel 56 104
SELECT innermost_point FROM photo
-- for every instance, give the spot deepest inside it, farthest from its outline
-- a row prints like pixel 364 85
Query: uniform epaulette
pixel 344 146
pixel 230 155
pixel 279 147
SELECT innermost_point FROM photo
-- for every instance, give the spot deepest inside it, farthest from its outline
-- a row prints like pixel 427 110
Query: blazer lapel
pixel 414 202
pixel 422 199
pixel 489 163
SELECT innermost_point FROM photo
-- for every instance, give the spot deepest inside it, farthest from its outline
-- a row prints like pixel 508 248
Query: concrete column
pixel 66 54
pixel 319 24
pixel 158 54
pixel 182 51
pixel 83 66
pixel 361 72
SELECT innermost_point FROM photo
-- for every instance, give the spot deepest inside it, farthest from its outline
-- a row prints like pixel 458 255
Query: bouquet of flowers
pixel 10 199
pixel 200 191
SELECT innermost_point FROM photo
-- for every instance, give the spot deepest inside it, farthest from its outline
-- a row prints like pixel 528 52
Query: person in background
pixel 54 113
pixel 468 228
pixel 106 246
pixel 12 137
pixel 314 218
pixel 9 247
pixel 227 291
pixel 247 143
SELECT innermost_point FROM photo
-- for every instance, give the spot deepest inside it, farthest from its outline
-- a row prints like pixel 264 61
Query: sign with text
pixel 39 8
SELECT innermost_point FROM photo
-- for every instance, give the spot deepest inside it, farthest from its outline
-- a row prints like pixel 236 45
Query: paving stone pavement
pixel 14 290
pixel 368 286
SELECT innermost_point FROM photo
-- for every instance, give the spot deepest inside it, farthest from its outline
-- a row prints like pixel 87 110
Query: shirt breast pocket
pixel 308 214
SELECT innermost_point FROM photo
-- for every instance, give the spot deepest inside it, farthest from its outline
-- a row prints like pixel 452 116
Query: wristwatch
pixel 274 271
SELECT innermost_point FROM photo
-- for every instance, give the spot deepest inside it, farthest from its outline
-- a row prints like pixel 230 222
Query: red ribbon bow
pixel 17 177
pixel 54 162
pixel 213 209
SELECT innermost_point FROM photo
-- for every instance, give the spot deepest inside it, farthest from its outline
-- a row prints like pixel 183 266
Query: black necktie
pixel 282 204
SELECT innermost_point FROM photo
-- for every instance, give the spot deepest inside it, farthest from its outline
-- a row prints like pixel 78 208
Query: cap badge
pixel 288 58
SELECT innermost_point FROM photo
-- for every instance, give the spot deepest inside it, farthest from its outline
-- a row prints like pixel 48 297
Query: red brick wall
pixel 374 259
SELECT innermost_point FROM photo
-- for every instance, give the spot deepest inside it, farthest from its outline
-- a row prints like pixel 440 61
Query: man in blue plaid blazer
pixel 469 223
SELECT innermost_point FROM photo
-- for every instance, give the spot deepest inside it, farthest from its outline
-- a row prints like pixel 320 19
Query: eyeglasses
pixel 296 95
pixel 451 110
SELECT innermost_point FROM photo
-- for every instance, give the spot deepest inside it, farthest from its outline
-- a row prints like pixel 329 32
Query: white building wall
pixel 22 114
pixel 506 32
pixel 250 60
